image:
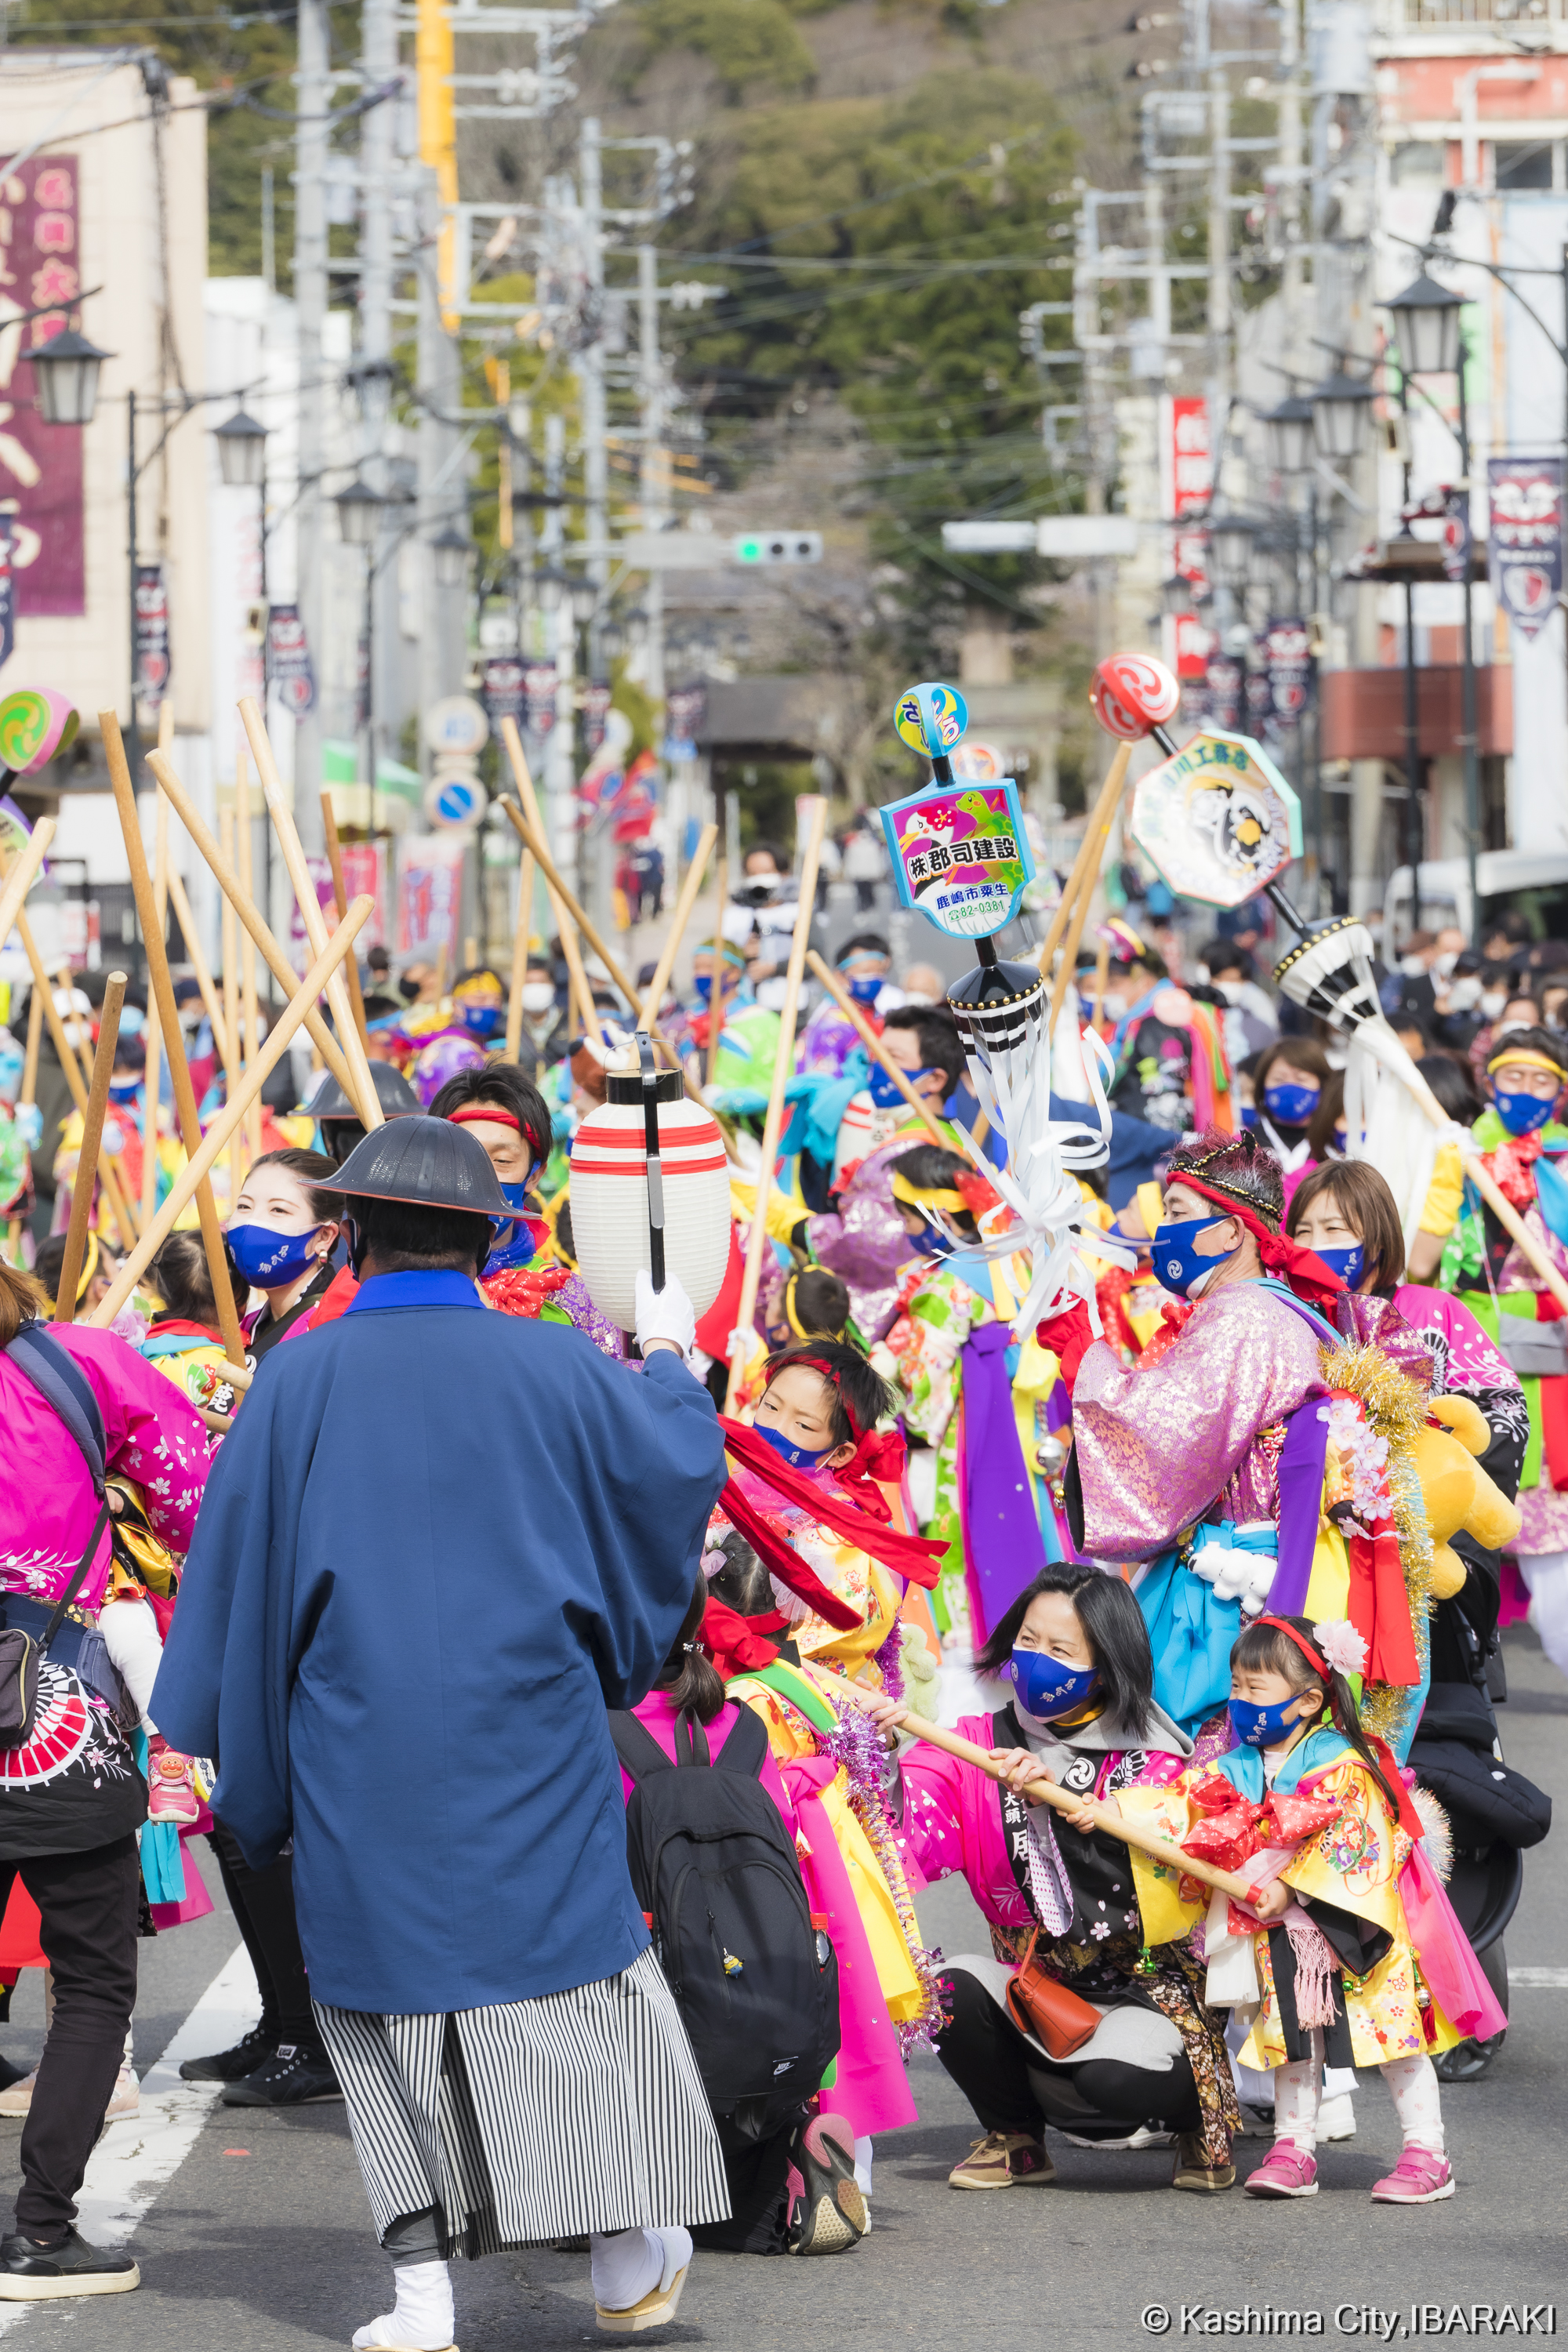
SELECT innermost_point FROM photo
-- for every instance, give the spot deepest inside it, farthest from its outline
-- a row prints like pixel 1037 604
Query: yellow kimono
pixel 1354 1864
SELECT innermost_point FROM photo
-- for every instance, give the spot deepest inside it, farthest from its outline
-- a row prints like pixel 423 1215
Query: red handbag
pixel 1039 2004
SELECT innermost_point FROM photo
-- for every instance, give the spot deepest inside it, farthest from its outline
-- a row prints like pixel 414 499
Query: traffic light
pixel 777 547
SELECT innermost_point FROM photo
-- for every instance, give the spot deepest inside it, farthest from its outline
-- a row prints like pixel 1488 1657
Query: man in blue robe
pixel 439 1544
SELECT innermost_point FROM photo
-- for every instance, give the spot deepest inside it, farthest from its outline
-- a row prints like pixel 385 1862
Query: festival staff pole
pixel 521 940
pixel 250 1017
pixel 336 860
pixel 87 1160
pixel 243 906
pixel 716 991
pixel 678 921
pixel 363 1091
pixel 22 873
pixel 817 823
pixel 198 963
pixel 1042 1789
pixel 152 1088
pixel 119 1207
pixel 561 900
pixel 194 1176
pixel 29 1096
pixel 874 1045
pixel 233 1067
pixel 179 1070
pixel 1092 848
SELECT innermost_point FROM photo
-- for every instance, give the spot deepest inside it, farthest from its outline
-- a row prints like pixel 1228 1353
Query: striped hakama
pixel 577 2112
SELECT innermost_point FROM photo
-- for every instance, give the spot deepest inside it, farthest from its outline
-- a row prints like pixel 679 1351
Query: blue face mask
pixel 703 981
pixel 125 1093
pixel 268 1259
pixel 1047 1688
pixel 932 1244
pixel 1350 1265
pixel 483 1021
pixel 1292 1106
pixel 796 1455
pixel 865 987
pixel 884 1093
pixel 1521 1113
pixel 1261 1726
pixel 1175 1260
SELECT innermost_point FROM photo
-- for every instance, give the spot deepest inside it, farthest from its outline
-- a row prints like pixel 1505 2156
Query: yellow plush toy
pixel 1458 1492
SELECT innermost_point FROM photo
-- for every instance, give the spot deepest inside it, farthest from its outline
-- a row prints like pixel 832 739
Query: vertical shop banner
pixel 1288 666
pixel 595 704
pixel 1525 538
pixel 289 663
pixel 429 892
pixel 1456 534
pixel 364 875
pixel 501 689
pixel 685 716
pixel 151 634
pixel 1226 681
pixel 1187 486
pixel 539 697
pixel 40 465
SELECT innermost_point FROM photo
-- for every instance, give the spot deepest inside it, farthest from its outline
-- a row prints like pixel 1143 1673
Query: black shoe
pixel 9 2074
pixel 231 2065
pixel 31 2273
pixel 293 2077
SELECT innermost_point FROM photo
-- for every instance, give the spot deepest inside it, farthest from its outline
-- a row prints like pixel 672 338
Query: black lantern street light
pixel 1176 595
pixel 453 551
pixel 66 371
pixel 1290 430
pixel 1341 416
pixel 359 513
pixel 1231 536
pixel 1427 327
pixel 242 451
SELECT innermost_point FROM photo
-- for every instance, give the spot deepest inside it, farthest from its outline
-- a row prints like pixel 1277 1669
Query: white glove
pixel 665 1314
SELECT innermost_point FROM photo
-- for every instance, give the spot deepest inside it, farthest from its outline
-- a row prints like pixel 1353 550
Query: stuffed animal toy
pixel 1458 1492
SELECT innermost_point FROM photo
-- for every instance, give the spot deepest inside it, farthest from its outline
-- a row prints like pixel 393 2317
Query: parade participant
pixel 864 963
pixel 478 999
pixel 513 2062
pixel 1172 1068
pixel 1287 1082
pixel 1194 1443
pixel 1357 1959
pixel 808 1304
pixel 99 1268
pixel 183 1340
pixel 1059 1899
pixel 770 889
pixel 546 1027
pixel 924 1043
pixel 1521 1143
pixel 75 1403
pixel 992 1409
pixel 338 1119
pixel 281 1237
pixel 804 1567
pixel 794 2189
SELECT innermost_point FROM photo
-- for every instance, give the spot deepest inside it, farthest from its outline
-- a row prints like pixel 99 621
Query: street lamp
pixel 1427 327
pixel 359 513
pixel 1231 536
pixel 1176 595
pixel 65 370
pixel 1342 414
pixel 242 451
pixel 1289 431
pixel 453 549
pixel 584 601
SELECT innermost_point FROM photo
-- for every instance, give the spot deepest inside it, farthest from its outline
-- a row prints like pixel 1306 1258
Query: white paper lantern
pixel 609 1196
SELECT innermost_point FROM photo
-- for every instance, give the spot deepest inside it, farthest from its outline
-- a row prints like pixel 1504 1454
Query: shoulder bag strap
pixel 636 1746
pixel 746 1747
pixel 74 1587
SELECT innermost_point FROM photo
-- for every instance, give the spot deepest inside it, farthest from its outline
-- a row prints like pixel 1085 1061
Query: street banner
pixel 1288 666
pixel 539 692
pixel 152 683
pixel 1456 534
pixel 1525 538
pixel 289 663
pixel 502 689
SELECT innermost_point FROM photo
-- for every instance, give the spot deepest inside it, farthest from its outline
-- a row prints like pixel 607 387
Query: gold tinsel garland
pixel 1396 1409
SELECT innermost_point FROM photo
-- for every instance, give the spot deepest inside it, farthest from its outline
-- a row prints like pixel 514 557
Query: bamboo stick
pixel 873 1044
pixel 28 1097
pixel 244 907
pixel 363 1091
pixel 531 838
pixel 87 1158
pixel 233 1065
pixel 152 1088
pixel 205 981
pixel 65 1054
pixel 179 1071
pixel 119 1207
pixel 678 921
pixel 817 823
pixel 249 1011
pixel 1042 1789
pixel 521 938
pixel 23 874
pixel 716 993
pixel 336 860
pixel 194 1176
pixel 1102 974
pixel 1090 849
pixel 562 906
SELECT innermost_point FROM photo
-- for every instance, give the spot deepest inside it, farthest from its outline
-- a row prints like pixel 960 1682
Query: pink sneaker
pixel 1286 2171
pixel 1418 2179
pixel 172 1794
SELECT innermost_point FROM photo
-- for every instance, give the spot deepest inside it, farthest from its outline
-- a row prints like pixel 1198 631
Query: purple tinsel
pixel 888 1661
pixel 855 1743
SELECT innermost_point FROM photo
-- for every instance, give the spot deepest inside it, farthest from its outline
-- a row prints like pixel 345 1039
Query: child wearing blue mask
pixel 281 1236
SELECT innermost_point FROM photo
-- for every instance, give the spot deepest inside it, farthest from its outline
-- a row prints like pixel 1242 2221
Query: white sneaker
pixel 1336 2117
pixel 18 2099
pixel 126 2099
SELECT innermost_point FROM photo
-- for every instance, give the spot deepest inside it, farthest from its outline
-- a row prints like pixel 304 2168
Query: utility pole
pixel 378 65
pixel 442 485
pixel 312 90
pixel 655 471
pixel 591 365
pixel 560 769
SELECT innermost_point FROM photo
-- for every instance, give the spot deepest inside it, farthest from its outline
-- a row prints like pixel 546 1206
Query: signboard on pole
pixel 1525 538
pixel 152 681
pixel 1187 487
pixel 289 663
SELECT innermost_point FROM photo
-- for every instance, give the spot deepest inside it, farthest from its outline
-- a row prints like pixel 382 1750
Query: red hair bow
pixel 877 1460
pixel 735 1643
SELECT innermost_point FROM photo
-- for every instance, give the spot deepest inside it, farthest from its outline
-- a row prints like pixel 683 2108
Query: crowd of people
pixel 575 1743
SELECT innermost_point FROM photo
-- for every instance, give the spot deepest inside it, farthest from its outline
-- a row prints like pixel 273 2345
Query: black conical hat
pixel 393 1092
pixel 426 1161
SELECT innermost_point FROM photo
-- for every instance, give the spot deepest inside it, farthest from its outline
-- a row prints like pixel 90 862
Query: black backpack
pixel 716 1875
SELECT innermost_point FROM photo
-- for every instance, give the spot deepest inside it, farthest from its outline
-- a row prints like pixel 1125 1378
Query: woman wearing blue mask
pixel 864 963
pixel 285 1227
pixel 1075 1651
pixel 1288 1082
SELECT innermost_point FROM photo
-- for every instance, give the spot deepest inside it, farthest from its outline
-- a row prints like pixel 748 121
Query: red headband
pixel 1409 1820
pixel 1308 1276
pixel 1282 1626
pixel 876 1460
pixel 490 1111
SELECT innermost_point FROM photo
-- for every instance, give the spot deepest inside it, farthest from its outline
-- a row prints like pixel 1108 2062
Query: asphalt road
pixel 261 2240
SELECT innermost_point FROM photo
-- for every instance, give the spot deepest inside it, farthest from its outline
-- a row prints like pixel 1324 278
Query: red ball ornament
pixel 1132 693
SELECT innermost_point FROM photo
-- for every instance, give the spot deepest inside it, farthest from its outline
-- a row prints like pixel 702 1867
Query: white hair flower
pixel 1341 1646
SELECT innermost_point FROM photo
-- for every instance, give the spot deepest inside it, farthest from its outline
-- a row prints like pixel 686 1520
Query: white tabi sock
pixel 863 2153
pixel 421 2320
pixel 630 2264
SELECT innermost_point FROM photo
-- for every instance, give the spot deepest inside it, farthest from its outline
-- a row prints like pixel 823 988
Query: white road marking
pixel 138 2155
pixel 1554 1979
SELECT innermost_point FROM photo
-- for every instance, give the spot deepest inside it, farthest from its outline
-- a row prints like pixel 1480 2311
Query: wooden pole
pixel 519 947
pixel 336 860
pixel 233 1060
pixel 179 1071
pixel 241 903
pixel 678 921
pixel 65 1054
pixel 193 1177
pixel 205 981
pixel 1042 1789
pixel 249 1012
pixel 874 1045
pixel 532 837
pixel 22 873
pixel 1067 969
pixel 113 1191
pixel 1091 850
pixel 562 906
pixel 152 1088
pixel 716 993
pixel 363 1091
pixel 816 822
pixel 580 992
pixel 29 1095
pixel 86 1161
pixel 1102 975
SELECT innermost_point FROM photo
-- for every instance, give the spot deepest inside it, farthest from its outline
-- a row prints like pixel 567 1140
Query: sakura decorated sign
pixel 959 856
pixel 1525 540
pixel 40 465
pixel 1217 820
pixel 1187 487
